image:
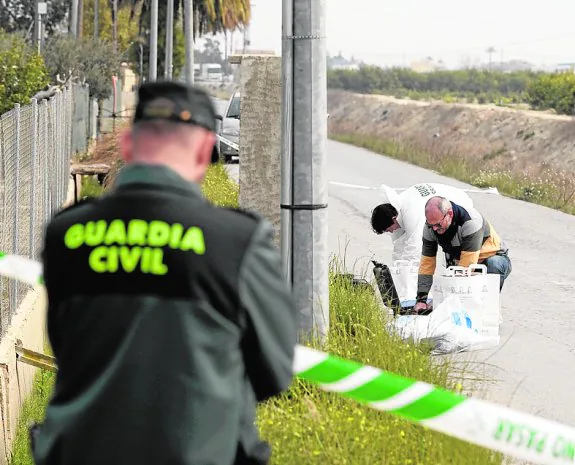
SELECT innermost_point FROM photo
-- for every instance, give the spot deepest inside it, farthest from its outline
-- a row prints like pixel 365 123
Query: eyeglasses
pixel 436 225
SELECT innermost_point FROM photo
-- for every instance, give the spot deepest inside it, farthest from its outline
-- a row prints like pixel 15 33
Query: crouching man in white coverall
pixel 403 215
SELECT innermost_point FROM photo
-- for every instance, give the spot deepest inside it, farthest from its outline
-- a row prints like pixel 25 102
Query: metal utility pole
pixel 189 33
pixel 73 29
pixel 153 62
pixel 304 182
pixel 490 51
pixel 246 39
pixel 169 40
pixel 41 10
pixel 80 32
pixel 37 27
pixel 115 25
pixel 43 30
pixel 96 19
pixel 246 34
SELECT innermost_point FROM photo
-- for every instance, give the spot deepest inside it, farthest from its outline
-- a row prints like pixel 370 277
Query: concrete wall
pixel 16 379
pixel 260 137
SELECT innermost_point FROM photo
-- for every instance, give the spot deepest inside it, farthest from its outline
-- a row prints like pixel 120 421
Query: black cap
pixel 177 102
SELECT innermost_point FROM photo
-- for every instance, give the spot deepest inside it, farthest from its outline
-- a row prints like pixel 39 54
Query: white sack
pixel 448 329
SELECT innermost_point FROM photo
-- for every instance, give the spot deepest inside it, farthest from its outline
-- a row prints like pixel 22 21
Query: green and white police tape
pixel 486 424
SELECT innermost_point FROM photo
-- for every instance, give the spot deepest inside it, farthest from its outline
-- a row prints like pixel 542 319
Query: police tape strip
pixel 479 422
pixel 228 142
pixel 489 190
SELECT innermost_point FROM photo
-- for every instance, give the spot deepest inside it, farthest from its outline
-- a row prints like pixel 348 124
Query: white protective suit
pixel 410 204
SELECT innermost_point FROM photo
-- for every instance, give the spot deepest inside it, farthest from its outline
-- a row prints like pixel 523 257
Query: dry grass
pixel 539 184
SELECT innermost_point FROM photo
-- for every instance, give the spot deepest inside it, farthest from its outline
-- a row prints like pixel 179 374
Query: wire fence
pixel 37 142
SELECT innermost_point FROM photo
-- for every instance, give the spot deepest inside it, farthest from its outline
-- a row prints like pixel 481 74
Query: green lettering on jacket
pixel 137 245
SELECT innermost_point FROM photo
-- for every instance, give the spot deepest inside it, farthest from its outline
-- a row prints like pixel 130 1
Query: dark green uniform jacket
pixel 169 318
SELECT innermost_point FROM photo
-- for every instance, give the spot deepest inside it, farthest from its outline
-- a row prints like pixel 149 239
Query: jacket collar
pixel 155 175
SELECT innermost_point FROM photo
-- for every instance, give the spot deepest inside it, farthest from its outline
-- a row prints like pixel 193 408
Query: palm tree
pixel 210 16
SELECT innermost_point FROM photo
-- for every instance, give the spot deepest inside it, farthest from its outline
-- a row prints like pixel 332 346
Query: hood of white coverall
pixel 389 195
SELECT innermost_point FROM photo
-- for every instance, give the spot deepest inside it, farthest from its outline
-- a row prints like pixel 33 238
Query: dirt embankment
pixel 498 137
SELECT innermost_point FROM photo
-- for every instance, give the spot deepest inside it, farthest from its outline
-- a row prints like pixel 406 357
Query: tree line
pixel 123 36
pixel 540 90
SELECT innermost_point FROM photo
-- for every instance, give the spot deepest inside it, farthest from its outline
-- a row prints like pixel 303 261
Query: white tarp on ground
pixel 448 329
pixel 466 314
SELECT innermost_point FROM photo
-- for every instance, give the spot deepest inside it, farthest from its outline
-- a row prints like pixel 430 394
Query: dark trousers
pixel 501 265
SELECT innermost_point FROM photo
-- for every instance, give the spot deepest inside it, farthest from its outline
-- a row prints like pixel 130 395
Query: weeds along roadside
pixel 307 425
pixel 551 188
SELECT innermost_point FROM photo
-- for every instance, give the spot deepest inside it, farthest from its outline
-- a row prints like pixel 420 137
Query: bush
pixel 22 71
pixel 85 60
pixel 553 91
pixel 543 91
pixel 487 86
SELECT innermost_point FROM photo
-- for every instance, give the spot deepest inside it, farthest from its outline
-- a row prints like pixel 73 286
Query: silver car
pixel 230 127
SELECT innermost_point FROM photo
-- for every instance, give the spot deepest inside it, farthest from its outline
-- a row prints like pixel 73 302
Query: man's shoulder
pixel 257 226
pixel 78 208
pixel 244 212
pixel 471 220
pixel 428 234
pixel 243 216
pixel 470 213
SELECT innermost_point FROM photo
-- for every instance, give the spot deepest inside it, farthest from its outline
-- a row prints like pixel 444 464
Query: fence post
pixel 53 151
pixel 15 248
pixel 87 133
pixel 61 147
pixel 47 144
pixel 95 115
pixel 5 284
pixel 34 155
pixel 61 144
pixel 69 101
pixel 120 94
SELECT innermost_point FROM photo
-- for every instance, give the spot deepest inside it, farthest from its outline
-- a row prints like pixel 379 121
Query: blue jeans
pixel 501 265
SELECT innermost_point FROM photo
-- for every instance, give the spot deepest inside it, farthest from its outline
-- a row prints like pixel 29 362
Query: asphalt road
pixel 534 366
pixel 533 369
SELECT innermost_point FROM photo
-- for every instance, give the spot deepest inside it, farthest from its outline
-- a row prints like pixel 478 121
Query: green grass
pixel 310 426
pixel 307 425
pixel 219 188
pixel 553 188
pixel 32 411
pixel 91 187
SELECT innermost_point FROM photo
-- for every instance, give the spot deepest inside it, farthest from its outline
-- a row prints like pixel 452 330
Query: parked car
pixel 230 127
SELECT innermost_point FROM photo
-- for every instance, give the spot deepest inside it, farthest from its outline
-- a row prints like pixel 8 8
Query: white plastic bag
pixel 449 328
pixel 404 275
pixel 478 292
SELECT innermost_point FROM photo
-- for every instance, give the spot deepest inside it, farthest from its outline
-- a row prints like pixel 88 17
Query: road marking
pixel 489 190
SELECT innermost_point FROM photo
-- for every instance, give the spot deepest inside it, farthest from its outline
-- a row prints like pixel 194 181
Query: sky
pixel 397 33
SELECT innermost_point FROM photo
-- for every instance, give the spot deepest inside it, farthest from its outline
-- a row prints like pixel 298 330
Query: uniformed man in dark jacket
pixel 169 317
